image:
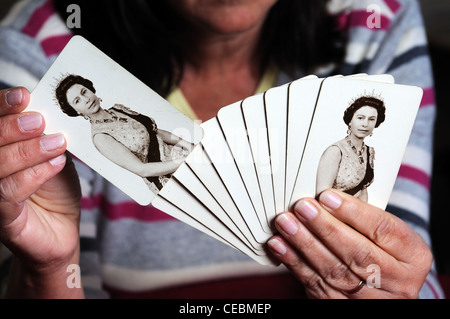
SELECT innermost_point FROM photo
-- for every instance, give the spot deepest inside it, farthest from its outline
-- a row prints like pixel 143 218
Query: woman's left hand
pixel 342 247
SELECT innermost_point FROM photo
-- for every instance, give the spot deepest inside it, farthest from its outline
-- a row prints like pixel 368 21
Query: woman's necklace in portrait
pixel 111 119
pixel 358 153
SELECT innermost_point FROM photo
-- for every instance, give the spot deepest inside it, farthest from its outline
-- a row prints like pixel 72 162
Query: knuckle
pixel 7 129
pixel 329 232
pixel 3 131
pixel 3 99
pixel 428 259
pixel 384 227
pixel 21 153
pixel 32 174
pixel 315 285
pixel 309 243
pixel 423 258
pixel 338 273
pixel 11 186
pixel 410 291
pixel 7 189
pixel 362 258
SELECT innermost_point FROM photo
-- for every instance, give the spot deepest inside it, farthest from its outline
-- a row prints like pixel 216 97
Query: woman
pixel 127 138
pixel 348 165
pixel 204 54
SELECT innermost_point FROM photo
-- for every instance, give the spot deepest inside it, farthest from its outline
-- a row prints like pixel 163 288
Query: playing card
pixel 183 210
pixel 232 124
pixel 195 187
pixel 370 167
pixel 256 124
pixel 201 165
pixel 276 107
pixel 302 101
pixel 215 146
pixel 303 96
pixel 112 121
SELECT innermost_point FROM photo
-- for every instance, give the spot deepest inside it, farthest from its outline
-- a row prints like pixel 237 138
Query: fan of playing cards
pixel 255 159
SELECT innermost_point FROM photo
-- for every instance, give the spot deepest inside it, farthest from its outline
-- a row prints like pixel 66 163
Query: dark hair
pixel 366 101
pixel 146 36
pixel 64 86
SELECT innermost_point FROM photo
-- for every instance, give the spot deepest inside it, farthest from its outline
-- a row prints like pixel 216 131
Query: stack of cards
pixel 260 155
pixel 255 159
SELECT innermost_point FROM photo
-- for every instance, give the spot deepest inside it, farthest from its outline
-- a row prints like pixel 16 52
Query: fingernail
pixel 277 246
pixel 61 159
pixel 52 142
pixel 306 209
pixel 286 223
pixel 13 97
pixel 30 122
pixel 330 199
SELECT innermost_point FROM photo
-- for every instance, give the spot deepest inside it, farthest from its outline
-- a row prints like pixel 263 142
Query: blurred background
pixel 4 5
pixel 437 20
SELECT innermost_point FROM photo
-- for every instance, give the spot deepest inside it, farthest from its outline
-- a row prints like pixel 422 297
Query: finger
pixel 322 260
pixel 386 230
pixel 353 248
pixel 18 156
pixel 16 188
pixel 19 127
pixel 13 100
pixel 313 283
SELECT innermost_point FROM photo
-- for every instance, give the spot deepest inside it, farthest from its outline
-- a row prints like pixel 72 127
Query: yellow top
pixel 177 99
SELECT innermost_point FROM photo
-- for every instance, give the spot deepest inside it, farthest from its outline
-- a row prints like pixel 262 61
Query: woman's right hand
pixel 39 200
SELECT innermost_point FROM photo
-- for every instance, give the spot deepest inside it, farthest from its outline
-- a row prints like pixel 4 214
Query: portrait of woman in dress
pixel 348 164
pixel 127 138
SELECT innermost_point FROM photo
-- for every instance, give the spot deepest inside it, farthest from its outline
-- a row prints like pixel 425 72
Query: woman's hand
pixel 39 200
pixel 341 247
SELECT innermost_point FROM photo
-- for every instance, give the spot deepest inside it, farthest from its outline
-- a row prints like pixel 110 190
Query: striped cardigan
pixel 130 250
